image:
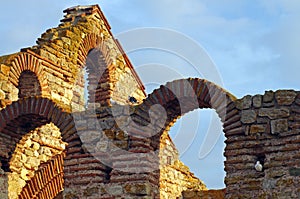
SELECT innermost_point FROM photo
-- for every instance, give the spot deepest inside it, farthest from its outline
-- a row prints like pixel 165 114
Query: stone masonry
pixel 75 122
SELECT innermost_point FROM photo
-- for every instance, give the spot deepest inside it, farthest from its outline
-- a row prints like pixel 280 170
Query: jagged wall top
pixel 60 58
pixel 81 11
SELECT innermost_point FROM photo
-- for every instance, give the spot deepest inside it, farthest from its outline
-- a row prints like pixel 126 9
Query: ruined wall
pixel 118 148
pixel 68 46
pixel 261 128
pixel 60 56
pixel 266 129
pixel 114 163
pixel 121 160
pixel 8 92
pixel 34 149
pixel 175 99
pixel 55 68
pixel 175 177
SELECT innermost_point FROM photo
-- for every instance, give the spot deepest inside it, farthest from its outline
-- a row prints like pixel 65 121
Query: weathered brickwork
pixel 75 123
pixel 268 131
pixel 60 56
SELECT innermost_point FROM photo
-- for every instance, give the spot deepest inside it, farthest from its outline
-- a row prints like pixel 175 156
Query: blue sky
pixel 253 46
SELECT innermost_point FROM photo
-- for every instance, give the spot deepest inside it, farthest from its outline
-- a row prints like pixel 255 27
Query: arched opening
pixel 25 122
pixel 204 153
pixel 92 83
pixel 29 85
pixel 96 75
pixel 25 115
pixel 86 95
pixel 177 99
pixel 197 141
pixel 13 132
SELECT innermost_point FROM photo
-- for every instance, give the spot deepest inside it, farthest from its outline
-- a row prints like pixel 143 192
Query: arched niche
pixel 27 75
pixel 29 85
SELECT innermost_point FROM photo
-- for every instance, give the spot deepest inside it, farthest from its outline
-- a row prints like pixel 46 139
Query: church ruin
pixel 75 122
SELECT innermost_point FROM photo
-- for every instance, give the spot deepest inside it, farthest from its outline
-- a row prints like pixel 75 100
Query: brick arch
pixel 89 42
pixel 28 62
pixel 26 114
pixel 100 69
pixel 185 95
pixel 48 180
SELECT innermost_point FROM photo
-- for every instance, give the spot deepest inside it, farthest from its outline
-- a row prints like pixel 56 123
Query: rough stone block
pixel 121 135
pixel 89 137
pixel 115 190
pixel 137 188
pixel 269 183
pixel 279 126
pixel 2 95
pixel 268 96
pixel 257 101
pixel 3 185
pixel 274 113
pixel 260 128
pixel 285 97
pixel 248 116
pixel 244 103
pixel 5 69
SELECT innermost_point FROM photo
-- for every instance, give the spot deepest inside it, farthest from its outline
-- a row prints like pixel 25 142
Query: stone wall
pixel 24 153
pixel 47 182
pixel 119 160
pixel 8 92
pixel 28 85
pixel 268 131
pixel 35 148
pixel 60 56
pixel 206 194
pixel 56 68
